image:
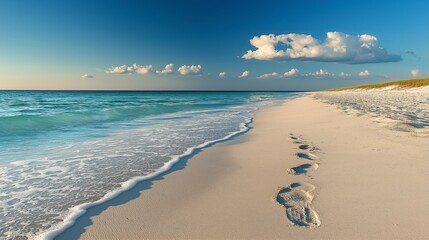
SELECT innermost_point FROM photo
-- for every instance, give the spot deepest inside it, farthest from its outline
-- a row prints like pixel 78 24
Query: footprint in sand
pixel 307 156
pixel 307 147
pixel 296 199
pixel 293 137
pixel 302 169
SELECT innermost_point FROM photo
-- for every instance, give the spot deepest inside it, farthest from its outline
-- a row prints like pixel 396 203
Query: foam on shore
pixel 79 210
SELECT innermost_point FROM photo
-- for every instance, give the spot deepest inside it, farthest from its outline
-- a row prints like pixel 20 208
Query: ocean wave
pixel 72 216
pixel 43 191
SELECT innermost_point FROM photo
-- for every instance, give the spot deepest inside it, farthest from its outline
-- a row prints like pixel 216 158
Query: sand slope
pixel 305 171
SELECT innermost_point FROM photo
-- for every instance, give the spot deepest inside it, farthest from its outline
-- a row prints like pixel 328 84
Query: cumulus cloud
pixel 325 73
pixel 87 76
pixel 291 72
pixel 337 47
pixel 167 70
pixel 343 74
pixel 244 74
pixel 222 74
pixel 364 73
pixel 190 70
pixel 415 72
pixel 142 69
pixel 118 69
pixel 135 68
pixel 268 75
pixel 321 72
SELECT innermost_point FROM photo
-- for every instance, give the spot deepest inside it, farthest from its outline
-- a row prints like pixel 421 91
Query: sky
pixel 210 45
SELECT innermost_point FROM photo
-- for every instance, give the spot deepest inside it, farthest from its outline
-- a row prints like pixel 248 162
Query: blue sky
pixel 85 44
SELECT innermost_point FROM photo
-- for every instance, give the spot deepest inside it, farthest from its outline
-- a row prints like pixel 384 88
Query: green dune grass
pixel 410 83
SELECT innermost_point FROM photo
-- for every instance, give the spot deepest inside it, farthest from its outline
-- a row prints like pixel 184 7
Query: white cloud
pixel 118 69
pixel 244 74
pixel 87 76
pixel 222 74
pixel 364 73
pixel 142 69
pixel 135 68
pixel 167 70
pixel 268 75
pixel 343 74
pixel 415 72
pixel 190 70
pixel 291 72
pixel 321 72
pixel 337 47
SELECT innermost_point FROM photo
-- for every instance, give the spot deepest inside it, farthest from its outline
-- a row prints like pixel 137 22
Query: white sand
pixel 403 110
pixel 364 182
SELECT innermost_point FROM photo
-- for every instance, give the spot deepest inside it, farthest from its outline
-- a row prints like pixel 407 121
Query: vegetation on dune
pixel 411 83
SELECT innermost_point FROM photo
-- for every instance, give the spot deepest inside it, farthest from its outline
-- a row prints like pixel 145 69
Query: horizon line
pixel 130 90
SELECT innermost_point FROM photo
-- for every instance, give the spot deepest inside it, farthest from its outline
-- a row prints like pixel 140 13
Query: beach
pixel 213 120
pixel 305 170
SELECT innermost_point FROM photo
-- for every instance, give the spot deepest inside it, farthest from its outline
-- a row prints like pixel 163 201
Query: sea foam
pixel 50 178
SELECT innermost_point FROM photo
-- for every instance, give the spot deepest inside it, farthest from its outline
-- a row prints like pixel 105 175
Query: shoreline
pixel 78 219
pixel 72 221
pixel 82 209
pixel 231 190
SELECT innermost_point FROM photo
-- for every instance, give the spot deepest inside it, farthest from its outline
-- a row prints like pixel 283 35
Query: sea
pixel 62 152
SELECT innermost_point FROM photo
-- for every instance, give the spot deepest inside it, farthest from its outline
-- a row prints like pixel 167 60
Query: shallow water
pixel 63 149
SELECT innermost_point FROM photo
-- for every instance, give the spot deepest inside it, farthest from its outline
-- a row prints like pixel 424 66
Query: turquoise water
pixel 63 150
